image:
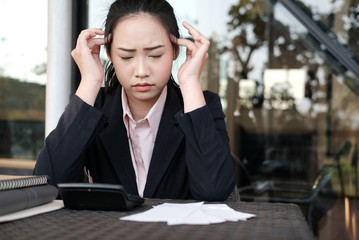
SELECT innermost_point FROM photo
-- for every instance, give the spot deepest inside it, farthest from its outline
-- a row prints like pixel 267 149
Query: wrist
pixel 88 91
pixel 192 96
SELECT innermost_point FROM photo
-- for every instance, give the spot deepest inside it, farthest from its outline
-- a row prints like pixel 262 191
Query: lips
pixel 143 87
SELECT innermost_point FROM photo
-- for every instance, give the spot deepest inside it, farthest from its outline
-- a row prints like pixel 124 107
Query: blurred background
pixel 287 72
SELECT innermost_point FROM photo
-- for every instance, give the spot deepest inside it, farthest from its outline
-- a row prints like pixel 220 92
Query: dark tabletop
pixel 273 221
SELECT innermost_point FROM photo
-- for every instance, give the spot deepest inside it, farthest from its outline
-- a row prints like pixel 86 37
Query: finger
pixel 203 45
pixel 95 49
pixel 190 46
pixel 97 31
pixel 200 49
pixel 88 34
pixel 96 42
pixel 185 43
pixel 191 30
pixel 88 42
pixel 198 37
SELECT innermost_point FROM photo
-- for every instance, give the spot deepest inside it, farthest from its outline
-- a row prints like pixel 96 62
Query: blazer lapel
pixel 168 139
pixel 115 142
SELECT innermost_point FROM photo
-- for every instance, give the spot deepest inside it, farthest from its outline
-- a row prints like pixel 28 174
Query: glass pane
pixel 289 87
pixel 293 116
pixel 23 43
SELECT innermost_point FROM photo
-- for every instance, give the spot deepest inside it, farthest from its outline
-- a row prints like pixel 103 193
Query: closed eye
pixel 156 56
pixel 126 58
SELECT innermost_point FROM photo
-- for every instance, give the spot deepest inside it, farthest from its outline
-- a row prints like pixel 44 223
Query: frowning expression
pixel 142 55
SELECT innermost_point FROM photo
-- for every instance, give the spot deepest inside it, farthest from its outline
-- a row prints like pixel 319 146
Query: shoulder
pixel 210 96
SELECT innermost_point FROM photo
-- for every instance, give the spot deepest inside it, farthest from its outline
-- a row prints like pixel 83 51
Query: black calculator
pixel 97 196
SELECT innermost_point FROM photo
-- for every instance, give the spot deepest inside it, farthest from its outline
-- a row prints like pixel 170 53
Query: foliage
pixel 17 95
pixel 255 28
pixel 247 21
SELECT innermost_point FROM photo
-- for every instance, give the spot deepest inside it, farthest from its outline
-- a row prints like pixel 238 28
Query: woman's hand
pixel 87 57
pixel 190 72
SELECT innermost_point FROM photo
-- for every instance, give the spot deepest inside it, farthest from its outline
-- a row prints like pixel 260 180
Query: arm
pixel 190 72
pixel 61 157
pixel 210 165
pixel 87 57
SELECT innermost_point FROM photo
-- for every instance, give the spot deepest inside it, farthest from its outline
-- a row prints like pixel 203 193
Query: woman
pixel 142 130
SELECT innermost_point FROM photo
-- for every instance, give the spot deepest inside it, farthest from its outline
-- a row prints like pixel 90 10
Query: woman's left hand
pixel 190 72
pixel 197 55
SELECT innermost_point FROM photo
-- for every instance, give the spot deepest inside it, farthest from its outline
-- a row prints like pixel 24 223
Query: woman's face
pixel 142 55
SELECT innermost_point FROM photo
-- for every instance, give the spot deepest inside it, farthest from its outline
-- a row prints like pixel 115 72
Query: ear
pixel 176 51
pixel 108 55
pixel 108 48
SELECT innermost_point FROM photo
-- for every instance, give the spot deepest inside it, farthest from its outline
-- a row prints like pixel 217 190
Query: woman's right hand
pixel 87 57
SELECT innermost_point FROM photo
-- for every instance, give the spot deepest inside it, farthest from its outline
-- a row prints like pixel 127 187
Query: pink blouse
pixel 141 136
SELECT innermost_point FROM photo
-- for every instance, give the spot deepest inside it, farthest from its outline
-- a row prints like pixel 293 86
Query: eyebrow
pixel 146 49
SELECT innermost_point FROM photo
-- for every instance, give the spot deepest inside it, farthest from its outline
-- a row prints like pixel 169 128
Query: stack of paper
pixel 189 213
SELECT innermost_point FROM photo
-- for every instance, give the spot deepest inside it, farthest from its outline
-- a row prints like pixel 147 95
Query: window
pixel 23 44
pixel 287 74
pixel 292 107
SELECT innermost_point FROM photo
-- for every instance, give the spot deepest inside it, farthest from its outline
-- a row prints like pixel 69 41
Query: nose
pixel 142 68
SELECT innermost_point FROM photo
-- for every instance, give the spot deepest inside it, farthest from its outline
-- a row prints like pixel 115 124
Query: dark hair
pixel 160 9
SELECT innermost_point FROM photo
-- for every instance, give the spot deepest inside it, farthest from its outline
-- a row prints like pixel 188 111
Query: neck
pixel 138 108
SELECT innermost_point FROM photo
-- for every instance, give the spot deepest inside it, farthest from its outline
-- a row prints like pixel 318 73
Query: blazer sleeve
pixel 209 160
pixel 60 157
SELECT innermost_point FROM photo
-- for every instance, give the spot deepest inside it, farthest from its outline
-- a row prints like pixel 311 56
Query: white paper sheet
pixel 189 213
pixel 164 212
pixel 52 206
pixel 225 212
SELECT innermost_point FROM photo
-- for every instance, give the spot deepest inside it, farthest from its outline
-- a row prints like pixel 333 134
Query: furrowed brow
pixel 146 49
pixel 153 48
pixel 126 49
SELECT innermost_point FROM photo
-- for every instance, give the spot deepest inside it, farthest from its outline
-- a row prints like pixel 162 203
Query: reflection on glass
pixel 292 105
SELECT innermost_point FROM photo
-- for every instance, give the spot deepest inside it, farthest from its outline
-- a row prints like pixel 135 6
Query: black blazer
pixel 191 157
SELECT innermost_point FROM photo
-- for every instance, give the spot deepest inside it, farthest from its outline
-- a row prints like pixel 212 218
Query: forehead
pixel 140 28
